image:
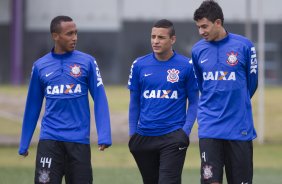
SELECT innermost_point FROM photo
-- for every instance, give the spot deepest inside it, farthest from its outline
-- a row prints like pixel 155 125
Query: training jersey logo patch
pixel 232 58
pixel 173 75
pixel 207 172
pixel 254 62
pixel 219 75
pixel 44 176
pixel 75 70
pixel 165 94
pixel 63 89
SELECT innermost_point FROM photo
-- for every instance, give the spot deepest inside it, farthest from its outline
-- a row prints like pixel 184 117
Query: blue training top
pixel 64 80
pixel 159 92
pixel 227 75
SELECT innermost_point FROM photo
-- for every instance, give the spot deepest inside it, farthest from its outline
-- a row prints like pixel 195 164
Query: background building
pixel 118 31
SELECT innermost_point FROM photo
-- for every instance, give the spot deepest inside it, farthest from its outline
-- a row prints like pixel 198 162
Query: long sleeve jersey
pixel 227 76
pixel 64 80
pixel 159 93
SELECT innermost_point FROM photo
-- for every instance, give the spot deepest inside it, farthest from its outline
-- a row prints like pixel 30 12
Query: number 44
pixel 46 160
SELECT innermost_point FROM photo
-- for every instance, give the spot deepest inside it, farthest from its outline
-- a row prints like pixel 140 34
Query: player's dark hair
pixel 210 10
pixel 164 23
pixel 55 23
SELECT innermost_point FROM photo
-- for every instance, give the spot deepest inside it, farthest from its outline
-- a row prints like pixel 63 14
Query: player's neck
pixel 222 34
pixel 58 50
pixel 164 56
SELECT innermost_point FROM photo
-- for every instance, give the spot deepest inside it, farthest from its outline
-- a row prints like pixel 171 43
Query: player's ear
pixel 55 36
pixel 173 39
pixel 218 22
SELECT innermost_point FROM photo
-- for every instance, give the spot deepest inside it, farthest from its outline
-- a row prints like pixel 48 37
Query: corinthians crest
pixel 173 75
pixel 207 172
pixel 232 58
pixel 44 176
pixel 75 70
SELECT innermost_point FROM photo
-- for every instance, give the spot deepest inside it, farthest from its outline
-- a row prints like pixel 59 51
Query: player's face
pixel 208 30
pixel 65 40
pixel 161 41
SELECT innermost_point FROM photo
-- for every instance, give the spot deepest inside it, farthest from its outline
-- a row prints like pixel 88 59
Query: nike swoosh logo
pixel 47 74
pixel 146 75
pixel 204 61
pixel 182 148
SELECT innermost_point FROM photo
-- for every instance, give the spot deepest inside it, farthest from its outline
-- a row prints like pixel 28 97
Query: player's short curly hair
pixel 210 10
pixel 164 23
pixel 55 23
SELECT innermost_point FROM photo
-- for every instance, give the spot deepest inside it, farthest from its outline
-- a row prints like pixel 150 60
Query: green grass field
pixel 116 165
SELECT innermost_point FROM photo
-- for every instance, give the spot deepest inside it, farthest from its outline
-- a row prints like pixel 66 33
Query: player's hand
pixel 25 154
pixel 102 147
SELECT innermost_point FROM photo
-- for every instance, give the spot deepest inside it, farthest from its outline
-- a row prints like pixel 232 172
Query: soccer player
pixel 64 76
pixel 159 124
pixel 226 69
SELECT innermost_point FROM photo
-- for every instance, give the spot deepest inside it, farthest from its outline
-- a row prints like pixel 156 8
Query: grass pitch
pixel 116 165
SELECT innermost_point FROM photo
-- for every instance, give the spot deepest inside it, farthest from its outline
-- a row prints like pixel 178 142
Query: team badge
pixel 207 172
pixel 173 75
pixel 44 176
pixel 232 58
pixel 75 70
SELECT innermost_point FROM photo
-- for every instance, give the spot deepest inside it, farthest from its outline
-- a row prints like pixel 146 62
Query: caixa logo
pixel 63 89
pixel 168 94
pixel 219 75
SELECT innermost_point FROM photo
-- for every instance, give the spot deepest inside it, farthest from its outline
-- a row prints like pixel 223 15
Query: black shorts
pixel 235 156
pixel 55 159
pixel 160 159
